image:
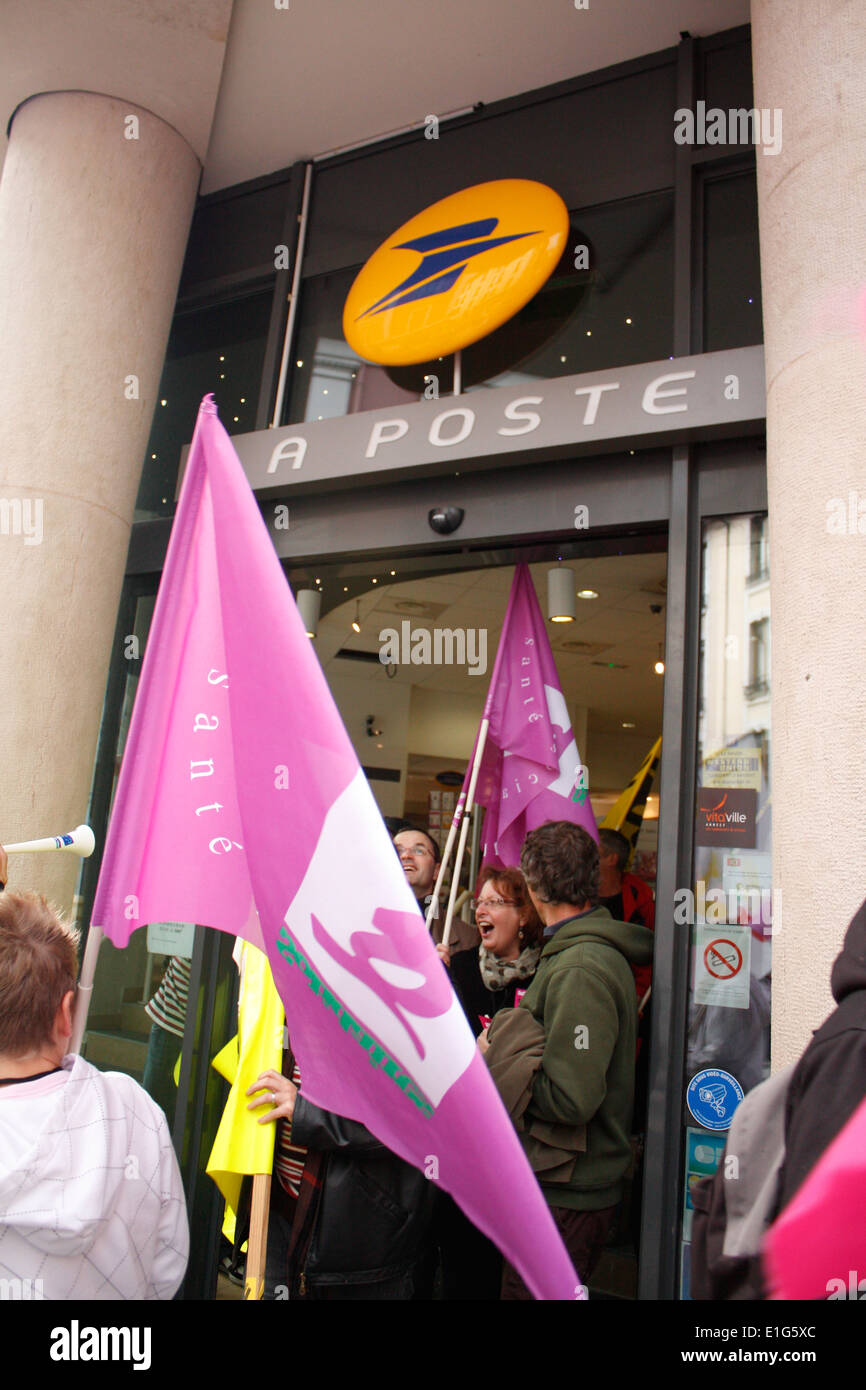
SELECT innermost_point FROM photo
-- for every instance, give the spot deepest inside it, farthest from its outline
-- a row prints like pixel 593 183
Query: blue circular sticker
pixel 713 1096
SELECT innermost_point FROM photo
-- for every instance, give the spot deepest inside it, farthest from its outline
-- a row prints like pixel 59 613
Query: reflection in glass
pixel 732 926
pixel 729 909
pixel 218 349
pixel 732 269
pixel 325 367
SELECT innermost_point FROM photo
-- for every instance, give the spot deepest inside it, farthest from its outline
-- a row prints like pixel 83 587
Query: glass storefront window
pixel 625 314
pixel 190 974
pixel 324 368
pixel 121 1035
pixel 219 349
pixel 117 1027
pixel 729 908
pixel 732 267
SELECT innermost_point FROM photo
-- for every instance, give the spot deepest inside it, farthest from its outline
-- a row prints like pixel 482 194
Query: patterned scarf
pixel 498 974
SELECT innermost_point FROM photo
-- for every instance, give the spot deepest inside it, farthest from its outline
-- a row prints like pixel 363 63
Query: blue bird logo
pixel 445 255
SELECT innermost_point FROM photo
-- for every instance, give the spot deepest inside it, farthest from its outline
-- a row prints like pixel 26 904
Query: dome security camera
pixel 444 520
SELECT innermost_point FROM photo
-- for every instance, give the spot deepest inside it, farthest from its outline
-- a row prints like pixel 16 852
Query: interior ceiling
pixel 614 678
pixel 312 75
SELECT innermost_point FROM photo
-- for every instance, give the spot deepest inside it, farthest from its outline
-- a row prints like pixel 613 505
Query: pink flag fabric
pixel 241 805
pixel 531 768
pixel 817 1247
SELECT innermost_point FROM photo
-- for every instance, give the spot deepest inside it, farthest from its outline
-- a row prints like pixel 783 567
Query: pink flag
pixel 241 805
pixel 531 769
pixel 817 1247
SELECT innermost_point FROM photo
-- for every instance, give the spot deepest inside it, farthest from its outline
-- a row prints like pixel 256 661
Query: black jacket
pixel 371 1220
pixel 474 995
pixel 829 1081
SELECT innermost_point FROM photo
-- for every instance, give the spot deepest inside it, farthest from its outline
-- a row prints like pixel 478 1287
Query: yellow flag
pixel 242 1145
pixel 626 814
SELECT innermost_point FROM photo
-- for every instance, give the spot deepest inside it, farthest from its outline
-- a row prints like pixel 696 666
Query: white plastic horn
pixel 80 841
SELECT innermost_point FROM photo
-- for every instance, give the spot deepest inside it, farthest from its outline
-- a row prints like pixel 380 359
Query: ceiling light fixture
pixel 309 603
pixel 560 595
pixel 356 621
pixel 587 593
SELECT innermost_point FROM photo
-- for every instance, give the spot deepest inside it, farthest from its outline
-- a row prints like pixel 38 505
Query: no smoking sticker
pixel 722 965
pixel 723 958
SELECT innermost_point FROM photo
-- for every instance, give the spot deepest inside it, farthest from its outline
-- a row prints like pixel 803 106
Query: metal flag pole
pixel 470 801
pixel 85 988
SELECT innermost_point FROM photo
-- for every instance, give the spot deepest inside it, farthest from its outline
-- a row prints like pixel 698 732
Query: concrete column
pixel 95 205
pixel 809 65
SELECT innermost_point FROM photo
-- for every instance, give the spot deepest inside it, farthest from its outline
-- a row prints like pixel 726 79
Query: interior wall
pixel 613 759
pixel 388 701
pixel 443 726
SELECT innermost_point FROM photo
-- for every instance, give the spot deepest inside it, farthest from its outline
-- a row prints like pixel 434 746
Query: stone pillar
pixel 95 205
pixel 809 64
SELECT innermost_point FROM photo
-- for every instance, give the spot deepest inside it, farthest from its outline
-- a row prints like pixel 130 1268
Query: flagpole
pixel 257 1246
pixel 462 808
pixel 85 988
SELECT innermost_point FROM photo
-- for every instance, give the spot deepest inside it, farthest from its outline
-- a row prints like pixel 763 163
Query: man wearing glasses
pixel 419 856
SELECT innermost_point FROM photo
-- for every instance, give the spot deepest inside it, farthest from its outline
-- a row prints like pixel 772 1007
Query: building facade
pixel 621 425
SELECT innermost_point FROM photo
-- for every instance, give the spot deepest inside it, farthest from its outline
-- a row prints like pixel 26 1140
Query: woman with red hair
pixel 496 974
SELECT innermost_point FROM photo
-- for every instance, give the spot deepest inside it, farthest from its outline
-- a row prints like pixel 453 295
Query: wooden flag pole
pixel 257 1241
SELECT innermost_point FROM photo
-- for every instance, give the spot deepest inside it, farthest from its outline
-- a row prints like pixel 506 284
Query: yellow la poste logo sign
pixel 455 272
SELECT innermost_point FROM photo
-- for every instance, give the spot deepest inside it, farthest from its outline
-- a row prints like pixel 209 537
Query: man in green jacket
pixel 583 995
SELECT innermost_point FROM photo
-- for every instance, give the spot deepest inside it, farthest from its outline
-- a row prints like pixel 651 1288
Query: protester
pixel 496 974
pixel 583 998
pixel 734 1207
pixel 626 897
pixel 830 1079
pixel 91 1200
pixel 419 855
pixel 778 1135
pixel 167 1012
pixel 352 1220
